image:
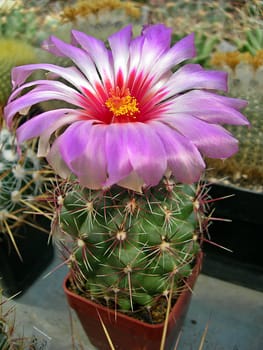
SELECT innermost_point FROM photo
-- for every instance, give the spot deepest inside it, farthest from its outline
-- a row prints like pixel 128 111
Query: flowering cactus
pixel 134 130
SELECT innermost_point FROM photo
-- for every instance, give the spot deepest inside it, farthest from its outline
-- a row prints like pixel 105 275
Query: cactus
pixel 84 8
pixel 253 42
pixel 245 80
pixel 204 47
pixel 129 249
pixel 21 183
pixel 99 18
pixel 246 167
pixel 12 53
pixel 19 22
pixel 22 22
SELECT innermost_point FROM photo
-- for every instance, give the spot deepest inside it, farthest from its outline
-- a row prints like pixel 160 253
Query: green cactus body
pixel 21 21
pixel 253 42
pixel 21 181
pixel 130 249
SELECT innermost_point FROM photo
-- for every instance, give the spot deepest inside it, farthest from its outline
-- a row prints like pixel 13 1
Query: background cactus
pixel 253 42
pixel 13 53
pixel 25 21
pixel 205 45
pixel 100 18
pixel 245 81
pixel 130 250
pixel 22 181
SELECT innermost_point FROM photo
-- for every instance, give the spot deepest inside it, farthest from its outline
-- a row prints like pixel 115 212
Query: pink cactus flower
pixel 131 118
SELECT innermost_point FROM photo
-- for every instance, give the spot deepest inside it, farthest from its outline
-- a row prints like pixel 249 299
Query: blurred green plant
pixel 19 22
pixel 205 45
pixel 253 42
pixel 13 52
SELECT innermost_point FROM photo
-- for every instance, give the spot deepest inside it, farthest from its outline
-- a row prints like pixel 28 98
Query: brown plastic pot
pixel 128 333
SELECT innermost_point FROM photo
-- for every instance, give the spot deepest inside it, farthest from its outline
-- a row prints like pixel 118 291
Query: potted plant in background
pixel 24 253
pixel 24 247
pixel 240 178
pixel 129 217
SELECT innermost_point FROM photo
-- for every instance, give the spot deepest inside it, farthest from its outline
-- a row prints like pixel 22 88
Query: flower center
pixel 123 106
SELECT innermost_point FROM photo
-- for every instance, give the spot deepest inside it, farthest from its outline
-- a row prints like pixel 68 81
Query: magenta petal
pixel 157 39
pixel 44 140
pixel 51 90
pixel 149 47
pixel 209 107
pixel 71 74
pixel 91 166
pixel 193 76
pixel 49 46
pixel 119 42
pixel 212 140
pixel 118 164
pixel 74 140
pixel 36 126
pixel 183 158
pixel 181 51
pixel 145 152
pixel 81 59
pixel 157 35
pixel 98 52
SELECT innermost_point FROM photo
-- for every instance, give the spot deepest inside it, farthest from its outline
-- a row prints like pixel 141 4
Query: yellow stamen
pixel 122 104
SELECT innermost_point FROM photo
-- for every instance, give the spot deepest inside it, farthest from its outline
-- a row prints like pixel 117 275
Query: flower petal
pixel 81 59
pixel 46 90
pixel 183 158
pixel 193 76
pixel 145 152
pixel 182 50
pixel 119 42
pixel 99 54
pixel 91 167
pixel 118 164
pixel 71 74
pixel 44 140
pixel 212 140
pixel 36 126
pixel 74 141
pixel 132 182
pixel 209 107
